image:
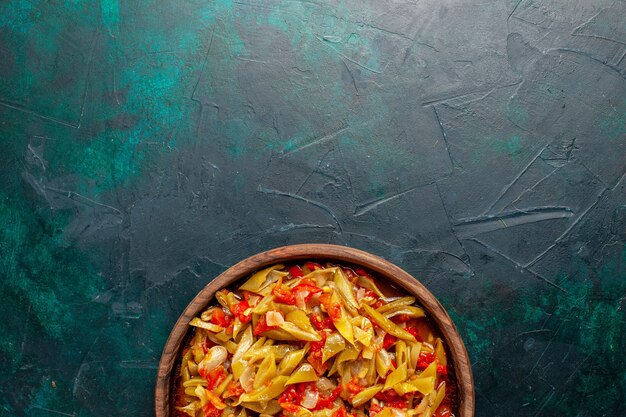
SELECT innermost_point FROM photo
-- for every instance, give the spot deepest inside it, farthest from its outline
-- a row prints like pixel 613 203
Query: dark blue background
pixel 147 146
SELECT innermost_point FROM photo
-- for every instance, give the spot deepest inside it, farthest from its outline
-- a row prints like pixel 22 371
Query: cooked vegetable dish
pixel 313 341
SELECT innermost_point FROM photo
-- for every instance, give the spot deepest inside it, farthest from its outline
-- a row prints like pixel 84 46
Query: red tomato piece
pixel 415 333
pixel 362 272
pixel 220 318
pixel 290 407
pixel 313 266
pixel 296 271
pixel 317 322
pixel 341 412
pixel 289 399
pixel 307 288
pixel 239 311
pixel 374 409
pixel 401 318
pixel 262 327
pixel 210 410
pixel 234 389
pixel 391 399
pixel 401 404
pixel 215 377
pixel 283 294
pixel 354 387
pixel 315 355
pixel 370 293
pixel 333 310
pixel 307 285
pixel 328 402
pixel 389 340
pixel 315 359
pixel 425 359
pixel 321 324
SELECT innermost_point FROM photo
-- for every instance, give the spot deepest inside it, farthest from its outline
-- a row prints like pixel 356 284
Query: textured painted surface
pixel 147 146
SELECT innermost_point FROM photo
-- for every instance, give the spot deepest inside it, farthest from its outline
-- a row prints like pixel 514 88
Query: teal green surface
pixel 100 102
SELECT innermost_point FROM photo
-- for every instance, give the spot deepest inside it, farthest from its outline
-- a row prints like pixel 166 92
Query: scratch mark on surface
pixel 528 190
pixel 319 164
pixel 117 100
pixel 49 410
pixel 138 364
pixel 533 332
pixel 533 23
pixel 82 366
pixel 82 199
pixel 213 261
pixel 619 61
pixel 425 44
pixel 26 326
pixel 466 102
pixel 365 67
pixel 364 208
pixel 26 110
pixel 452 255
pixel 576 30
pixel 586 22
pixel 87 77
pixel 292 226
pixel 351 77
pixel 439 100
pixel 544 402
pixel 391 32
pixel 544 352
pixel 571 376
pixel 588 56
pixel 327 209
pixel 593 174
pixel 462 94
pixel 478 225
pixel 30 179
pixel 514 10
pixel 346 171
pixel 518 265
pixel 258 61
pixel 517 177
pixel 318 141
pixel 37 157
pixel 206 59
pixel 449 218
pixel 445 137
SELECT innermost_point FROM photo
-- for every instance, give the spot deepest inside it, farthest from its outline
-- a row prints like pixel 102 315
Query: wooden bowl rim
pixel 435 311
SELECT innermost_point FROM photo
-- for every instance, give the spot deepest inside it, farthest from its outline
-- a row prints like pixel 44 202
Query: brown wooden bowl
pixel 384 269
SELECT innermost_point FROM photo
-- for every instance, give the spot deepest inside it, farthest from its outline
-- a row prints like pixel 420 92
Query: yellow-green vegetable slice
pixel 267 392
pixel 305 373
pixel 196 322
pixel 365 395
pixel 387 325
pixel 256 281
